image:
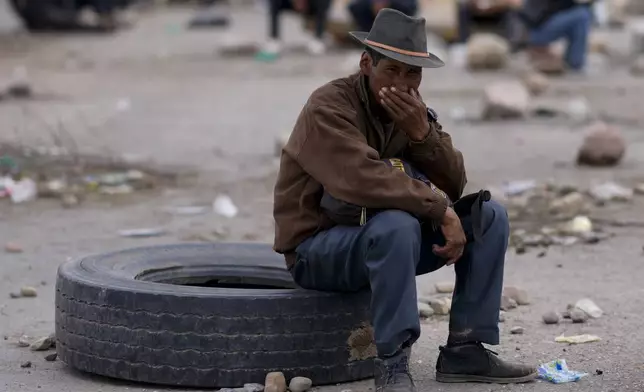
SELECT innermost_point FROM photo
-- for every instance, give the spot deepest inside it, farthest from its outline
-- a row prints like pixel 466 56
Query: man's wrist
pixel 421 135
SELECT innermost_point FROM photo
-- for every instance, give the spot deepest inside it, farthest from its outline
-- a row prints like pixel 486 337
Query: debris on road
pixel 424 310
pixel 589 307
pixel 507 303
pixel 505 100
pixel 24 341
pixel 578 316
pixel 487 51
pixel 51 357
pixel 577 339
pixel 558 372
pixel 603 146
pixel 300 384
pixel 142 233
pixel 26 364
pixel 12 247
pixel 275 382
pixel 42 344
pixel 519 296
pixel 441 306
pixel 551 317
pixel 517 330
pixel 223 205
pixel 28 291
pixel 610 191
pixel 536 82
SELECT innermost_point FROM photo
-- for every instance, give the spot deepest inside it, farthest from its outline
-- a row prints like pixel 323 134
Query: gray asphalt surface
pixel 160 92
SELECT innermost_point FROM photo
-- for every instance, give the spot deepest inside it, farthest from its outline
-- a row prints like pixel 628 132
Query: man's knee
pixel 495 217
pixel 394 225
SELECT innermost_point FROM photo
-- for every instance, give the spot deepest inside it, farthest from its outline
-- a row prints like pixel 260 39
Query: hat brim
pixel 432 61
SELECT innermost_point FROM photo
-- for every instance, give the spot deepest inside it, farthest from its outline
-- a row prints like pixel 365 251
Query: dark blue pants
pixel 363 16
pixel 388 252
pixel 573 25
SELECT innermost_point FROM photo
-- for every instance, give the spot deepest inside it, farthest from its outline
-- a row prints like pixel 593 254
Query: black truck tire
pixel 206 315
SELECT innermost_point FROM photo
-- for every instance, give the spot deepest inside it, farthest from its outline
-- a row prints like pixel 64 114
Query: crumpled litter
pixel 557 372
pixel 586 338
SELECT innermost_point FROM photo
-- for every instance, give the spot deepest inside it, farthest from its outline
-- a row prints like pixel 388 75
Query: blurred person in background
pixel 547 21
pixel 318 10
pixel 487 11
pixel 364 11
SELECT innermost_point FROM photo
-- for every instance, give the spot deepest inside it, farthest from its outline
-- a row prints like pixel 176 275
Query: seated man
pixel 364 11
pixel 318 9
pixel 343 133
pixel 548 21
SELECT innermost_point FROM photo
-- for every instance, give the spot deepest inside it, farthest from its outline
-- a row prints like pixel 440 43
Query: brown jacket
pixel 337 145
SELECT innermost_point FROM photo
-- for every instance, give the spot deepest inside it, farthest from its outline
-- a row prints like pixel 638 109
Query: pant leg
pixel 362 14
pixel 479 280
pixel 573 25
pixel 381 255
pixel 275 8
pixel 320 10
pixel 464 22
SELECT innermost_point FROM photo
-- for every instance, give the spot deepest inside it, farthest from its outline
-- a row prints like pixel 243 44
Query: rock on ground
pixel 42 344
pixel 275 382
pixel 505 99
pixel 551 317
pixel 300 384
pixel 28 291
pixel 424 310
pixel 589 307
pixel 578 316
pixel 487 51
pixel 520 296
pixel 441 306
pixel 517 330
pixel 536 82
pixel 603 145
pixel 507 303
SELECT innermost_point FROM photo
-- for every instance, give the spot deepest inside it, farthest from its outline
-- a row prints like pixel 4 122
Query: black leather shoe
pixel 472 362
pixel 392 374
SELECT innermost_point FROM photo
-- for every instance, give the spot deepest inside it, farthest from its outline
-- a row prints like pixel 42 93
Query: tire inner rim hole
pixel 221 277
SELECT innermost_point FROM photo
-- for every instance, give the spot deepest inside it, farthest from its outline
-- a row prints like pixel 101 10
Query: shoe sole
pixel 456 378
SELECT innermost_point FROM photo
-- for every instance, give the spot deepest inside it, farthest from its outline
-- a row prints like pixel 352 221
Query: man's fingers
pixel 393 113
pixel 388 102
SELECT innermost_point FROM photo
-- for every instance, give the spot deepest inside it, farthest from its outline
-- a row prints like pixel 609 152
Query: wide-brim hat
pixel 399 37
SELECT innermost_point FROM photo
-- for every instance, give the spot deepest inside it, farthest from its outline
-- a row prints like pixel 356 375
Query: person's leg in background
pixel 464 22
pixel 362 13
pixel 573 25
pixel 319 10
pixel 272 47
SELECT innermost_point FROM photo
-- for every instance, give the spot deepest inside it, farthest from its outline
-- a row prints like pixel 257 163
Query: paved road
pixel 160 92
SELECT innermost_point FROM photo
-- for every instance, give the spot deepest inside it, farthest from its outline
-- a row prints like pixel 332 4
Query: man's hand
pixel 408 111
pixel 454 238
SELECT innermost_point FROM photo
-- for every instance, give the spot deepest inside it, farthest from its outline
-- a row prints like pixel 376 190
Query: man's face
pixel 390 73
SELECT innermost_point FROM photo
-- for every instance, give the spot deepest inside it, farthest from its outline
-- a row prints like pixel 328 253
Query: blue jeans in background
pixel 573 25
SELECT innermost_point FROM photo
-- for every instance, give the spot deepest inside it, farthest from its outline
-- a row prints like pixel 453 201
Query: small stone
pixel 425 299
pixel 300 384
pixel 520 296
pixel 69 200
pixel 24 341
pixel 551 317
pixel 536 82
pixel 599 372
pixel 424 310
pixel 441 306
pixel 573 203
pixel 28 291
pixel 517 330
pixel 26 364
pixel 487 51
pixel 578 316
pixel 446 287
pixel 505 99
pixel 275 382
pixel 14 295
pixel 610 191
pixel 639 189
pixel 507 303
pixel 41 344
pixel 12 247
pixel 253 387
pixel 541 254
pixel 51 357
pixel 501 316
pixel 578 225
pixel 589 307
pixel 603 145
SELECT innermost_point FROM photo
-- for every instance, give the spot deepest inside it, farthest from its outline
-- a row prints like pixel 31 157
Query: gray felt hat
pixel 399 37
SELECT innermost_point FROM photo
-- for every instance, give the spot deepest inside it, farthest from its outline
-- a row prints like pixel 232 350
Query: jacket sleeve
pixel 336 154
pixel 437 158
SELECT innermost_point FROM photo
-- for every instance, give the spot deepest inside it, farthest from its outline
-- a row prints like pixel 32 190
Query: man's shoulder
pixel 340 92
